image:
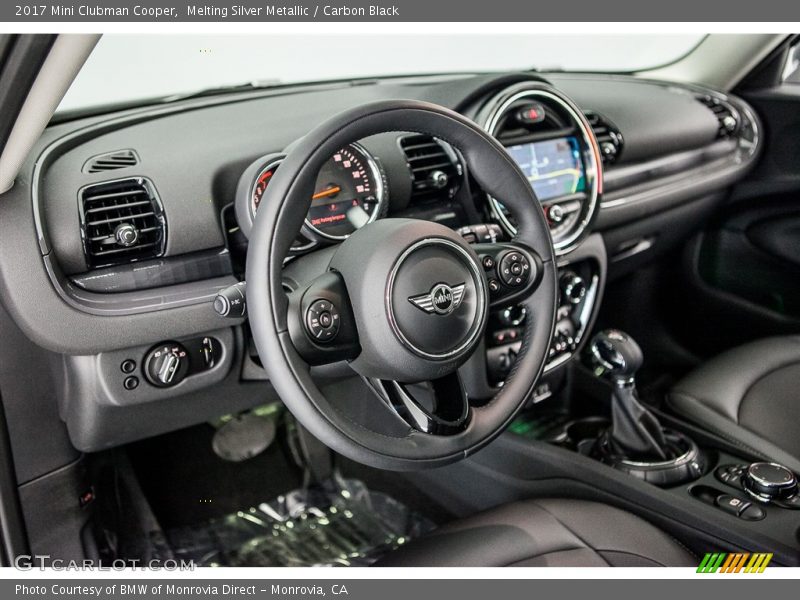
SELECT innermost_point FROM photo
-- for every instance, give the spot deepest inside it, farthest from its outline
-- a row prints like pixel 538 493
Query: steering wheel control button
pixel 128 366
pixel 488 262
pixel 515 268
pixel 166 365
pixel 130 383
pixel 322 321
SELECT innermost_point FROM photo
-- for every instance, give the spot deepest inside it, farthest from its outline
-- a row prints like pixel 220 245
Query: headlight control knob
pixel 769 481
pixel 166 365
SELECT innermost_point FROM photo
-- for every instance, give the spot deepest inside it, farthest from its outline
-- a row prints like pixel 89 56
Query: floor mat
pixel 344 525
pixel 187 483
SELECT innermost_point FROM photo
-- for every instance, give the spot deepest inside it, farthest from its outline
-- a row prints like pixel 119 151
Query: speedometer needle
pixel 327 192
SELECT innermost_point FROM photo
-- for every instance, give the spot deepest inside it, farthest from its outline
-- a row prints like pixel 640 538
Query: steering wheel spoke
pixel 513 271
pixel 321 322
pixel 438 407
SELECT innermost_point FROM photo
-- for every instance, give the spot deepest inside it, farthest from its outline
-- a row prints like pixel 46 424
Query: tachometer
pixel 348 194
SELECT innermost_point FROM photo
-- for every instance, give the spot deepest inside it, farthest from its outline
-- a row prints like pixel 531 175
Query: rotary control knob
pixel 555 213
pixel 769 481
pixel 166 365
pixel 573 288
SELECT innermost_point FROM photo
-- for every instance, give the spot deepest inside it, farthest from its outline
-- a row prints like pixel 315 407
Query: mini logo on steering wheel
pixel 443 299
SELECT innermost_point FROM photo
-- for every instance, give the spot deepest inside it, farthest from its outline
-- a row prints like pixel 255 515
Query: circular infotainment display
pixel 551 141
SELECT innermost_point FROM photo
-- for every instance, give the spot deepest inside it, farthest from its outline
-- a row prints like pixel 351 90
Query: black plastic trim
pixel 12 524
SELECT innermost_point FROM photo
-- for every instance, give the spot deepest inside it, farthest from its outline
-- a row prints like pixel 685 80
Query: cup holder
pixel 581 434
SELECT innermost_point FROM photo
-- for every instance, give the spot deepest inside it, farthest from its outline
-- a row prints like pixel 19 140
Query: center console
pixel 582 275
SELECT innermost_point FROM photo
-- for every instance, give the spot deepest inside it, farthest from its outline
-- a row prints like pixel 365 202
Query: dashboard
pixel 126 226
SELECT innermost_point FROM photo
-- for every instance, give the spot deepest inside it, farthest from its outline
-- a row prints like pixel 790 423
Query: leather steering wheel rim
pixel 280 219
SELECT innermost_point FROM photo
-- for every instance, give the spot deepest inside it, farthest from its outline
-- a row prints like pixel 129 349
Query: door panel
pixel 742 274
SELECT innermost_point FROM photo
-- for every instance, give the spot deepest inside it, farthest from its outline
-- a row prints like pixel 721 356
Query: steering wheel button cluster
pixel 322 321
pixel 514 269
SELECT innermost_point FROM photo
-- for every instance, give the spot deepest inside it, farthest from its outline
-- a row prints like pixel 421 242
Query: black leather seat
pixel 750 396
pixel 545 533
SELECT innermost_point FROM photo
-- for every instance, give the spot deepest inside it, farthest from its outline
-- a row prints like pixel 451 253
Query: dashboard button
pixel 131 383
pixel 128 366
pixel 731 504
pixel 752 513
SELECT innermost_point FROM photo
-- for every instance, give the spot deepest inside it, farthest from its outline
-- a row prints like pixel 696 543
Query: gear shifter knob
pixel 616 355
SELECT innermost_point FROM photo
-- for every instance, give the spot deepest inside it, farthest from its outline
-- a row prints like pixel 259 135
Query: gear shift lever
pixel 635 432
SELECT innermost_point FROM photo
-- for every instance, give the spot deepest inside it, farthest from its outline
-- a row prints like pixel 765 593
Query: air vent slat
pixel 609 139
pixel 727 116
pixel 100 209
pixel 122 222
pixel 110 161
pixel 425 168
pixel 433 169
pixel 120 250
pixel 118 195
pixel 118 219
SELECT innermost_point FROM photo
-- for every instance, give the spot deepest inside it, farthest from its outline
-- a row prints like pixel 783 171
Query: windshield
pixel 126 68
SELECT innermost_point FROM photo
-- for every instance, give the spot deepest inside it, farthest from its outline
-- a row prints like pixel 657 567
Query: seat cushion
pixel 545 533
pixel 750 396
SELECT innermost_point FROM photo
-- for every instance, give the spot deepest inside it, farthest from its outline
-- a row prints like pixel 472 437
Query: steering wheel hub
pixel 436 299
pixel 419 298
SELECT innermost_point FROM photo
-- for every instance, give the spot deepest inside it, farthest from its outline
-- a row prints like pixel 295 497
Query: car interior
pixel 489 318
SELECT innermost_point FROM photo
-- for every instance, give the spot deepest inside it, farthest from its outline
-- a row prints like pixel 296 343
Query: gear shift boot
pixel 635 431
pixel 636 442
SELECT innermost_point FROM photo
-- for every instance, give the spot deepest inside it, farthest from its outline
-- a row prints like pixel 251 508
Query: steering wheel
pixel 404 302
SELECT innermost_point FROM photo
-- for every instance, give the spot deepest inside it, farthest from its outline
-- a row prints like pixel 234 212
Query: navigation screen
pixel 554 167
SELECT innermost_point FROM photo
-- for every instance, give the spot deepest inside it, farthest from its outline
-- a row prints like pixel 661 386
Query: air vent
pixel 726 115
pixel 434 168
pixel 111 161
pixel 609 139
pixel 122 221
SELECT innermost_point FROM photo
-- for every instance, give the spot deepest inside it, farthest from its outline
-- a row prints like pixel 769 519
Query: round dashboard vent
pixel 121 221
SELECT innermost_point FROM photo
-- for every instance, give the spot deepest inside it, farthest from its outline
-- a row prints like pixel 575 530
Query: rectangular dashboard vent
pixel 434 170
pixel 726 115
pixel 609 138
pixel 122 221
pixel 110 161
